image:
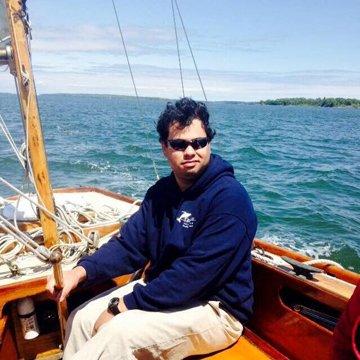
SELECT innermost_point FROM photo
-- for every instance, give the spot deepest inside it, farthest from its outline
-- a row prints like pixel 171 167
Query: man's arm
pixel 215 254
pixel 71 280
pixel 123 254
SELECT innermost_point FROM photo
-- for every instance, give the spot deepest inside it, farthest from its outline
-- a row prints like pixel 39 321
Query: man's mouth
pixel 189 162
pixel 188 165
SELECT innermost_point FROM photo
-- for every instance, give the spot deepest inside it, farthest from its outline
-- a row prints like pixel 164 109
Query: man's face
pixel 190 163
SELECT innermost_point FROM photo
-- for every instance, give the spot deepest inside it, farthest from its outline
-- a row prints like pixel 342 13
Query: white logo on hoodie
pixel 186 219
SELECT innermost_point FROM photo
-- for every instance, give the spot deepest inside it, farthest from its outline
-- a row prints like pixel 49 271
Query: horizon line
pixel 162 98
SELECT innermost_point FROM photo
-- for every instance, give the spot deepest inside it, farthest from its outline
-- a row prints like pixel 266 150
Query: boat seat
pixel 249 346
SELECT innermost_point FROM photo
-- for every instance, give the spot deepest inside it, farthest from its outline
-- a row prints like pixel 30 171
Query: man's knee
pixel 81 318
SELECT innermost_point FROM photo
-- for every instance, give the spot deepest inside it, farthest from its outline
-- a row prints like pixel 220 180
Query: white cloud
pixel 165 82
pixel 93 39
pixel 89 59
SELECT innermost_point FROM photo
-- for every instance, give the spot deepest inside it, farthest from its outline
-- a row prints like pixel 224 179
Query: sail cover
pixel 4 28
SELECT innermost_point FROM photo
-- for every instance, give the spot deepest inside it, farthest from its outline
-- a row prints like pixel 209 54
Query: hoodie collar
pixel 217 168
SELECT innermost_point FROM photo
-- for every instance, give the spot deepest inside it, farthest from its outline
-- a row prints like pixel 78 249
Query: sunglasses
pixel 181 145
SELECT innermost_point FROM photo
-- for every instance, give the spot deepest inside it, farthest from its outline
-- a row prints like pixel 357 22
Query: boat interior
pixel 296 305
pixel 297 301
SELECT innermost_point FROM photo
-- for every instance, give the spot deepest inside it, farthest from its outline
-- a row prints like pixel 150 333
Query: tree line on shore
pixel 323 102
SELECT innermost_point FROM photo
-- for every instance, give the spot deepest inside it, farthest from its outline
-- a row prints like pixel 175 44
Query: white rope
pixel 66 218
pixel 70 252
pixel 272 259
pixel 6 242
pixel 70 229
pixel 323 262
pixel 28 242
pixel 56 218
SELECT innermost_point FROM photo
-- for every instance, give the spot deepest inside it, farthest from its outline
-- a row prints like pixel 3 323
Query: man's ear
pixel 164 147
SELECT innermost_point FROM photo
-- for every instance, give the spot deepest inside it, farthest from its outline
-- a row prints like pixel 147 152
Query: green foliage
pixel 323 102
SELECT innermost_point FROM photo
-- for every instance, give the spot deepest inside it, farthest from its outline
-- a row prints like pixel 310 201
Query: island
pixel 323 102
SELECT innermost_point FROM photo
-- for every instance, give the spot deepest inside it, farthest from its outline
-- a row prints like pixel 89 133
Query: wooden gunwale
pixel 95 189
pixel 288 331
pixel 306 287
pixel 343 274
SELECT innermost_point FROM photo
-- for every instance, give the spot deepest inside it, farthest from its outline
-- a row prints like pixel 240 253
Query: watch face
pixel 113 306
pixel 114 301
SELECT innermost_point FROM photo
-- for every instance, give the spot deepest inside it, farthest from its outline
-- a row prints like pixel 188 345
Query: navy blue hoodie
pixel 198 243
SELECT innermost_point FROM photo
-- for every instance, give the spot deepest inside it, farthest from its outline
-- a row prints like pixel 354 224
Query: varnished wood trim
pixel 343 274
pixel 125 198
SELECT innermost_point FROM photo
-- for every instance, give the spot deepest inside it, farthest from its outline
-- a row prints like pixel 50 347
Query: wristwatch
pixel 113 306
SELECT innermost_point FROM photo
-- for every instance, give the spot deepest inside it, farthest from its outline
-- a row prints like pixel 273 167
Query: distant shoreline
pixel 298 101
pixel 321 102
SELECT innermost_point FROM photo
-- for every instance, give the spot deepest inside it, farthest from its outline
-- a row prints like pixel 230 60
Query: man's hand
pixel 71 280
pixel 106 316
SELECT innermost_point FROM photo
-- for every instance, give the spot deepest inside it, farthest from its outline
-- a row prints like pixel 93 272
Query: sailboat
pixel 297 300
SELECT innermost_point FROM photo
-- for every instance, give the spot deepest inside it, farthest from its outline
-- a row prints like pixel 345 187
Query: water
pixel 301 165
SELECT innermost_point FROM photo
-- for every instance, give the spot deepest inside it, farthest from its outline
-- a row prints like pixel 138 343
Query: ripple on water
pixel 299 165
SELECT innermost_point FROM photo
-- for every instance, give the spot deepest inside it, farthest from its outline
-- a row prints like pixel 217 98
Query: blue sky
pixel 245 50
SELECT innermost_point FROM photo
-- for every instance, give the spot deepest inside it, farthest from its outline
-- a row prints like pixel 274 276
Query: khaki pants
pixel 138 334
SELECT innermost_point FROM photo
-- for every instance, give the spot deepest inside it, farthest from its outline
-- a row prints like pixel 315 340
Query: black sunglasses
pixel 181 145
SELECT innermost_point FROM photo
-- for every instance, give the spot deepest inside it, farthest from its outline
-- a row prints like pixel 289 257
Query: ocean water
pixel 300 165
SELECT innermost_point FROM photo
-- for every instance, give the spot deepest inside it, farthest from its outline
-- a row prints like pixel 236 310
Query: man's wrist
pixel 80 273
pixel 122 307
pixel 116 306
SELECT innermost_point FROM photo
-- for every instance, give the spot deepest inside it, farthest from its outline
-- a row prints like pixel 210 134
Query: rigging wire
pixel 73 241
pixel 135 88
pixel 53 216
pixel 69 221
pixel 25 240
pixel 11 141
pixel 126 53
pixel 28 239
pixel 191 51
pixel 178 49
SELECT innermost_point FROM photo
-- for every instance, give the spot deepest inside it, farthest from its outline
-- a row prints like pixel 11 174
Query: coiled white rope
pixel 56 218
pixel 25 240
pixel 323 262
pixel 7 242
pixel 73 242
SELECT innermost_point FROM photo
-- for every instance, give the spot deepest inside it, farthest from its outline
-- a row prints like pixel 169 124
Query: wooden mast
pixel 20 67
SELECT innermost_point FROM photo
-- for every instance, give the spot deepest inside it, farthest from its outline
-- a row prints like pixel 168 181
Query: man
pixel 196 228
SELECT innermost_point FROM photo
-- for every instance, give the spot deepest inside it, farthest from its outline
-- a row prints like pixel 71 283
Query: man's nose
pixel 189 150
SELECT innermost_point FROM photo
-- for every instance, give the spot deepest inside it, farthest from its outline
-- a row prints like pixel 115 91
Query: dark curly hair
pixel 184 111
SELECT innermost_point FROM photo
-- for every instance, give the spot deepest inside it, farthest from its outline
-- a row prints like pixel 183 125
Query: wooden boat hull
pixel 276 330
